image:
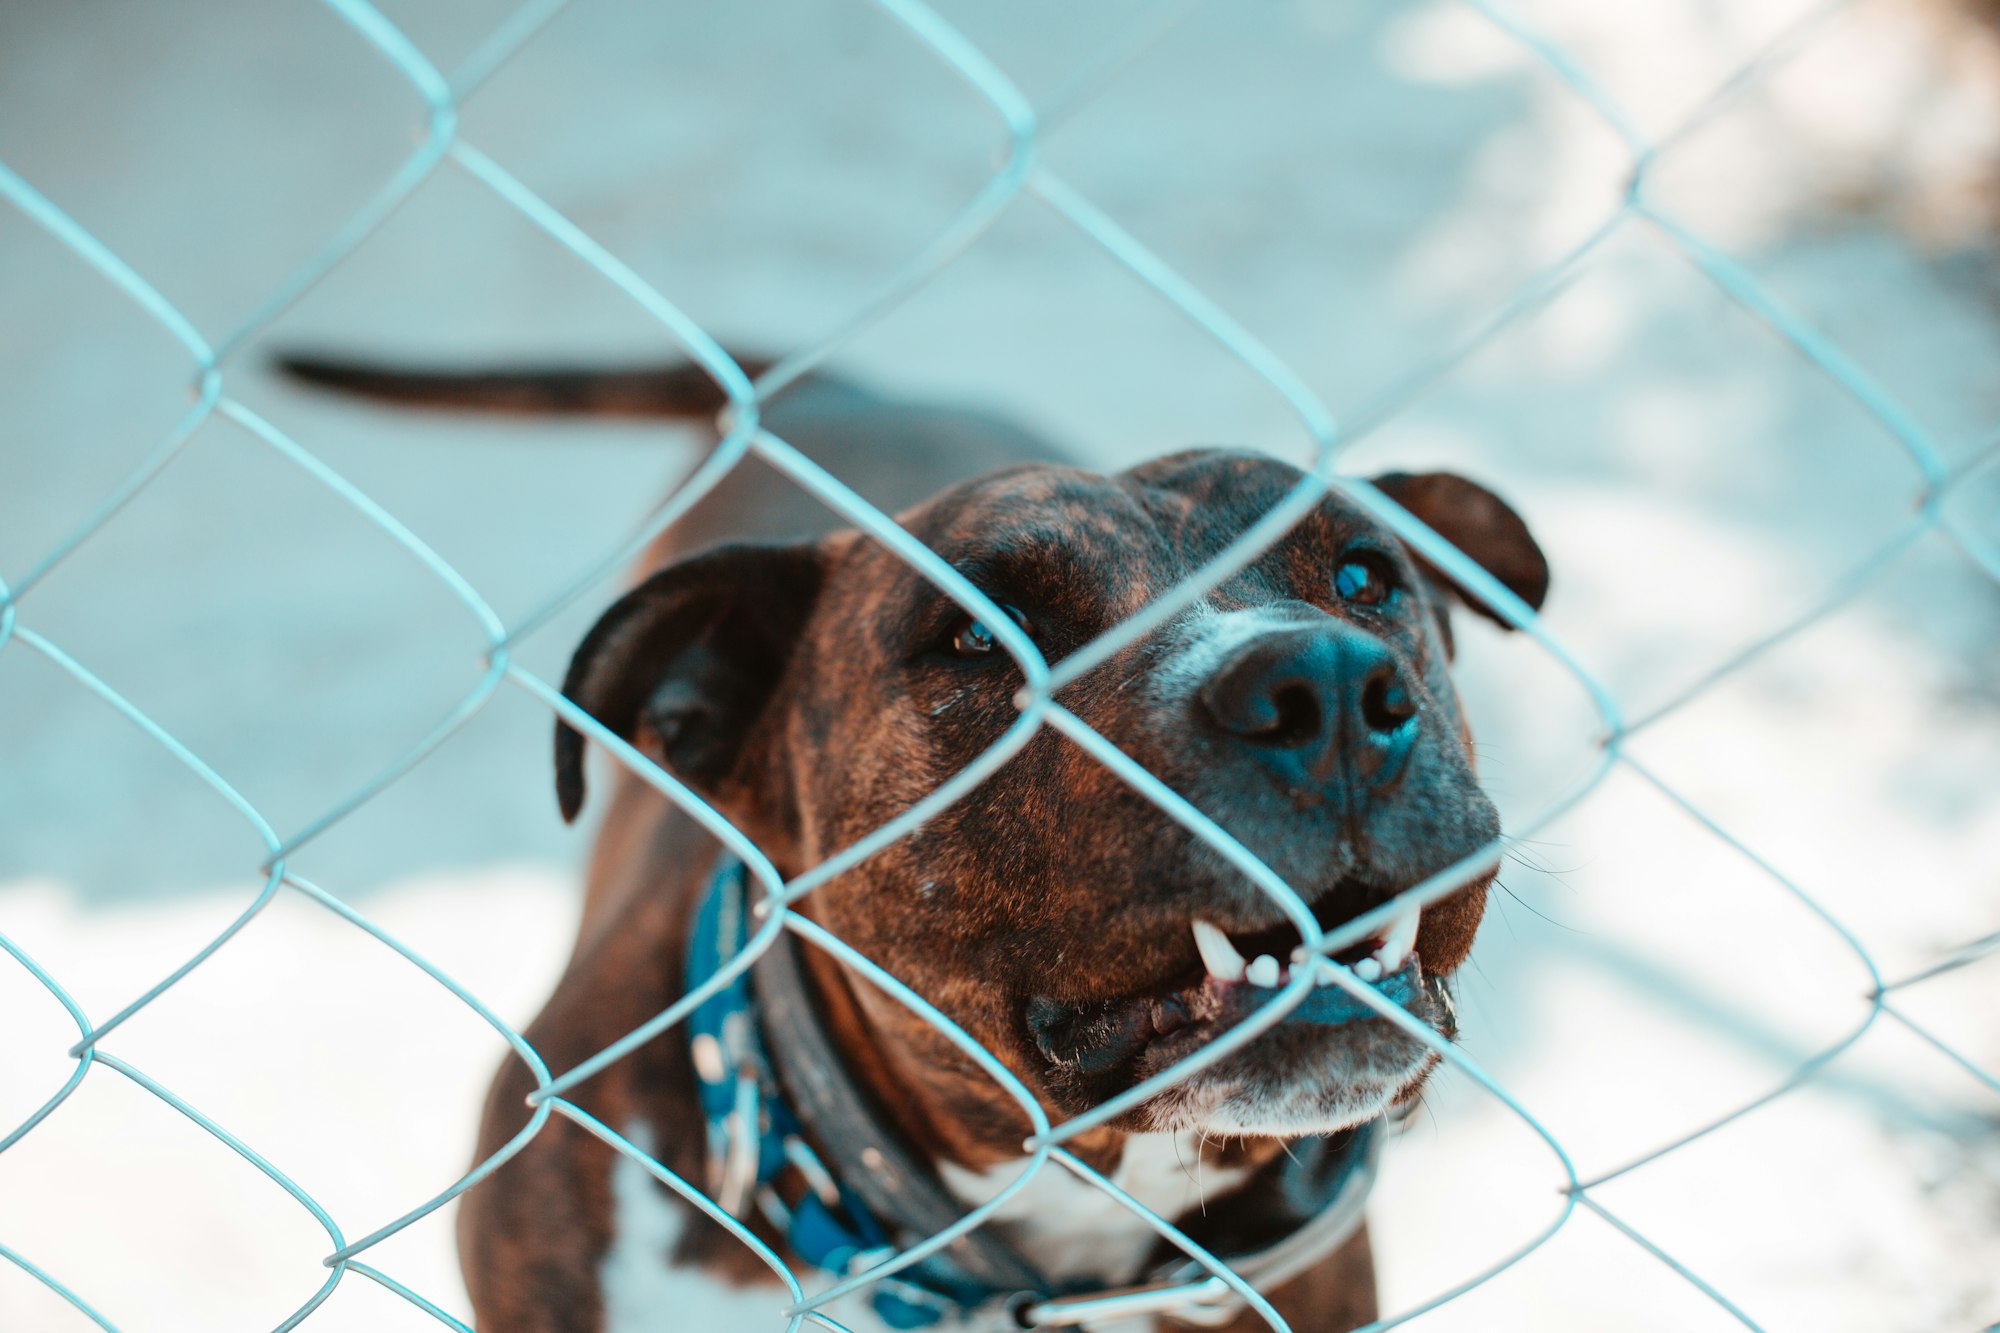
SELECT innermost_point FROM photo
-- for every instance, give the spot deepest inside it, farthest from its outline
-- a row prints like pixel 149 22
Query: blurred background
pixel 1362 186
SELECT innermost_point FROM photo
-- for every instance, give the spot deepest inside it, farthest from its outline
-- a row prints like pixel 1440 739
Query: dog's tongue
pixel 1330 1004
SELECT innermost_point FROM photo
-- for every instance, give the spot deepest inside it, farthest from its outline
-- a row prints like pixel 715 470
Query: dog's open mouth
pixel 1233 975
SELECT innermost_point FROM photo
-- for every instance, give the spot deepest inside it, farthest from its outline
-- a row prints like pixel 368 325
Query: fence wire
pixel 1020 175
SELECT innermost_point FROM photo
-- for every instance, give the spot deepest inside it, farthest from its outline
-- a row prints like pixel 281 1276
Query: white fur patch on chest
pixel 1067 1228
pixel 1070 1229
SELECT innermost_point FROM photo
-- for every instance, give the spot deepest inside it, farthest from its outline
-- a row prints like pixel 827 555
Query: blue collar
pixel 753 1135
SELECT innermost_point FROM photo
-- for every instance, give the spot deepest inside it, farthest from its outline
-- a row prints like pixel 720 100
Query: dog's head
pixel 815 691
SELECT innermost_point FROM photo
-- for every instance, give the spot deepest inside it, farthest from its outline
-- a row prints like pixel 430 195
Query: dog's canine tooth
pixel 1265 972
pixel 1218 955
pixel 1398 940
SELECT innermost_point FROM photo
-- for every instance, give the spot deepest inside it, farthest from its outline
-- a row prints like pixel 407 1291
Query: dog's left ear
pixel 1479 523
pixel 694 654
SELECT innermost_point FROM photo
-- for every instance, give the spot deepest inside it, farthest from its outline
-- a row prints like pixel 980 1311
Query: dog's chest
pixel 1067 1228
pixel 1072 1230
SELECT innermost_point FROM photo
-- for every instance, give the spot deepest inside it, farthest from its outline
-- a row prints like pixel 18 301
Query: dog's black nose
pixel 1314 702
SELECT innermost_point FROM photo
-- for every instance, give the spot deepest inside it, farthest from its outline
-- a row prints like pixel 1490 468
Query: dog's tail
pixel 683 391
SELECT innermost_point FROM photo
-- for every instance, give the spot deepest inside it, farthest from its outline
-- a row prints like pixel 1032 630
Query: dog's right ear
pixel 693 654
pixel 1480 524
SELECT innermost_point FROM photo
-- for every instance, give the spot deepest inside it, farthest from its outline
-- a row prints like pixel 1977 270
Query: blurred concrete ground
pixel 1360 185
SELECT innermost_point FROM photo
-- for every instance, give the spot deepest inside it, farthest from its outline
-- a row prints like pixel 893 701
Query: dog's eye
pixel 975 640
pixel 1364 579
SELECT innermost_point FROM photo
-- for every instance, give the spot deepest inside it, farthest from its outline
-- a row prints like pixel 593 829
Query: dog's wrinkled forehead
pixel 1069 534
pixel 1107 545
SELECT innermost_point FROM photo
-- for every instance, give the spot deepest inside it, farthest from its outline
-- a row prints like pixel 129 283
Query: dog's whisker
pixel 1559 925
pixel 1528 861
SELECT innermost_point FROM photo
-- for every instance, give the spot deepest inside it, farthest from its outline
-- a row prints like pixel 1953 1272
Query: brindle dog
pixel 813 688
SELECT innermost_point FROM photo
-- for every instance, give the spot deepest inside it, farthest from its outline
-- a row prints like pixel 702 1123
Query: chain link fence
pixel 1021 179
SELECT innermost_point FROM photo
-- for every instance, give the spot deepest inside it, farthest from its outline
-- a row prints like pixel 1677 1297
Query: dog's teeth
pixel 1264 972
pixel 1323 971
pixel 1398 940
pixel 1369 969
pixel 1218 955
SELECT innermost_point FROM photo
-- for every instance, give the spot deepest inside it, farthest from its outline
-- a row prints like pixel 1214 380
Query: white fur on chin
pixel 1288 1108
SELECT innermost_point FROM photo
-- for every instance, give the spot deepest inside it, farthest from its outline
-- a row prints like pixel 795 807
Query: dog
pixel 811 686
